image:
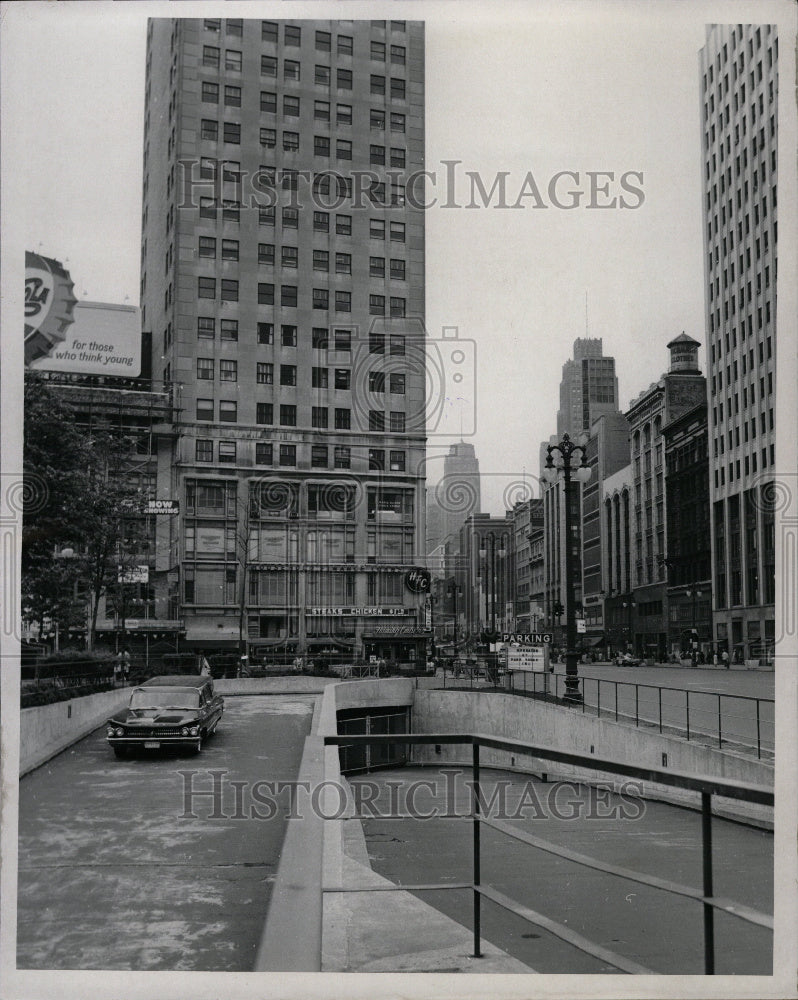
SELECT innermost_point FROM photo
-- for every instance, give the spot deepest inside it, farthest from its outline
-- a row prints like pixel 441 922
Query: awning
pixel 594 640
pixel 212 633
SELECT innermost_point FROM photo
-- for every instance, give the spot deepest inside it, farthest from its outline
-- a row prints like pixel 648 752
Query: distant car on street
pixel 627 660
pixel 173 711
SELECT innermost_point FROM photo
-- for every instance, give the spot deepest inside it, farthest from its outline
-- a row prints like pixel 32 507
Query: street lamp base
pixel 572 693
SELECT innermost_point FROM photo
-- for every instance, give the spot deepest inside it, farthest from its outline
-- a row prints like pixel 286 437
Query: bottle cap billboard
pixel 49 306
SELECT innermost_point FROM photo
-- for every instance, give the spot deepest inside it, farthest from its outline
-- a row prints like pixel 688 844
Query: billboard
pixel 100 339
pixel 49 306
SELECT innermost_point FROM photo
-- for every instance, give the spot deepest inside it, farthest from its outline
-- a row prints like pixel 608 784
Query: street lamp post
pixel 491 593
pixel 695 594
pixel 567 461
pixel 630 604
pixel 454 590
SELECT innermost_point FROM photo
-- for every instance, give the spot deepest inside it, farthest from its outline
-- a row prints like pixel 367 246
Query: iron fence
pixel 705 787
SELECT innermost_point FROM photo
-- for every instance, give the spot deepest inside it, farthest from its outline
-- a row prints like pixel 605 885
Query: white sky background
pixel 508 88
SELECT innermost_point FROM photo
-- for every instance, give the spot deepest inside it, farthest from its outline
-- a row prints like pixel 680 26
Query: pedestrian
pixel 205 667
pixel 725 657
pixel 126 664
pixel 118 668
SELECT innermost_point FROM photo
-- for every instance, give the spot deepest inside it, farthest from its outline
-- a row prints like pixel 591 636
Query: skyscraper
pixel 283 281
pixel 739 87
pixel 588 388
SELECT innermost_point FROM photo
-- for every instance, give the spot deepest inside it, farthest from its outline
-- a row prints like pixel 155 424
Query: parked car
pixel 172 711
pixel 627 660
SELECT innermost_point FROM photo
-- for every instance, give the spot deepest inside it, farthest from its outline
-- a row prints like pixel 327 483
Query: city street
pixel 656 929
pixel 114 875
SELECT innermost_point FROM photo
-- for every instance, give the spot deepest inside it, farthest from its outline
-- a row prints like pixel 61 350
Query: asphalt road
pixel 123 866
pixel 658 930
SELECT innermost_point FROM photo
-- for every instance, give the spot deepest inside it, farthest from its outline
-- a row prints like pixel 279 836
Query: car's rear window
pixel 164 697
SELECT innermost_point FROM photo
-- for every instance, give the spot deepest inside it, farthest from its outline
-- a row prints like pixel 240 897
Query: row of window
pixel 286 455
pixel 396 232
pixel 264 375
pixel 289 297
pixel 289 257
pixel 292 33
pixel 736 470
pixel 319 416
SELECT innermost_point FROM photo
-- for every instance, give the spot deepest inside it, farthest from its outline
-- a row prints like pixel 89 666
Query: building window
pixel 287 415
pixel 204 409
pixel 293 35
pixel 232 97
pixel 207 248
pixel 397 382
pixel 229 290
pixel 397 232
pixel 376 420
pixel 396 461
pixel 291 141
pixel 397 121
pixel 291 106
pixel 209 129
pixel 321 145
pixel 228 371
pixel 343 419
pixel 232 132
pixel 268 66
pixel 397 423
pixel 321 76
pixel 321 298
pixel 319 378
pixel 264 453
pixel 398 344
pixel 266 215
pixel 228 329
pixel 343 116
pixel 321 222
pixel 205 369
pixel 203 451
pixel 341 459
pixel 210 56
pixel 345 45
pixel 264 373
pixel 227 452
pixel 290 69
pixel 323 41
pixel 343 149
pixel 265 333
pixel 287 374
pixel 343 302
pixel 343 378
pixel 210 92
pixel 377 267
pixel 377 154
pixel 290 218
pixel 228 411
pixel 318 456
pixel 377 229
pixel 376 343
pixel 343 79
pixel 378 85
pixel 265 293
pixel 377 119
pixel 268 31
pixel 321 111
pixel 268 102
pixel 321 260
pixel 213 24
pixel 229 249
pixel 320 338
pixel 318 416
pixel 376 381
pixel 397 269
pixel 376 460
pixel 287 454
pixel 398 55
pixel 397 307
pixel 290 257
pixel 206 327
pixel 376 305
pixel 343 263
pixel 343 340
pixel 343 225
pixel 397 89
pixel 207 209
pixel 377 51
pixel 266 253
pixel 288 335
pixel 397 157
pixel 264 413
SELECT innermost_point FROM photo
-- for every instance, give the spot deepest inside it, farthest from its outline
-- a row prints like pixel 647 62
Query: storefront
pixel 398 645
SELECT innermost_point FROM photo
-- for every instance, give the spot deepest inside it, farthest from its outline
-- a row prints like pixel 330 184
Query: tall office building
pixel 739 85
pixel 588 388
pixel 283 281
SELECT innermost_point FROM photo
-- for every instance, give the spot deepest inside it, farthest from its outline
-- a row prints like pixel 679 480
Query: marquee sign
pixel 162 507
pixel 405 631
pixel 530 638
pixel 418 581
pixel 359 612
pixel 49 305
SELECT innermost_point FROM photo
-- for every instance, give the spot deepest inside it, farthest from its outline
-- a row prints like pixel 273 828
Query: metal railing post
pixel 720 737
pixel 616 700
pixel 637 704
pixel 758 740
pixel 475 813
pixel 709 913
pixel 598 698
pixel 687 711
pixel 660 709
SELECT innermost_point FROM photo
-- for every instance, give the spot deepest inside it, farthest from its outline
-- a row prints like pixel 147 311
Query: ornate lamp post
pixel 491 594
pixel 630 604
pixel 566 461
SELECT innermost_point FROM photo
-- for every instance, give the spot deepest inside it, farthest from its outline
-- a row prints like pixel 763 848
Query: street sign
pixel 531 658
pixel 529 638
pixel 581 625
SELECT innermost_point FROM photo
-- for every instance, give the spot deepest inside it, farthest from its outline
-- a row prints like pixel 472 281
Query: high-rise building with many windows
pixel 739 85
pixel 283 282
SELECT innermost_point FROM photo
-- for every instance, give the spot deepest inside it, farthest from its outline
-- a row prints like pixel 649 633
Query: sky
pixel 524 90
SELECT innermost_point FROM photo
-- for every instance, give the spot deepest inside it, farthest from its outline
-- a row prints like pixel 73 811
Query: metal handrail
pixel 706 785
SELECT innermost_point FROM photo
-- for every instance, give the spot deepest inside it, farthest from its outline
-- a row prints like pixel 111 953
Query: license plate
pixel 152 745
